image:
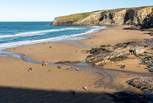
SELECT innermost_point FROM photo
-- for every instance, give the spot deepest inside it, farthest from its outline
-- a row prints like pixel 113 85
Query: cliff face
pixel 126 16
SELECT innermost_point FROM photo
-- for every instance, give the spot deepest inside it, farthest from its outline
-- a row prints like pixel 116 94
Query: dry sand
pixel 115 35
pixel 15 73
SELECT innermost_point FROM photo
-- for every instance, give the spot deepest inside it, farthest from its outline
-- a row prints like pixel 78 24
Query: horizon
pixel 44 11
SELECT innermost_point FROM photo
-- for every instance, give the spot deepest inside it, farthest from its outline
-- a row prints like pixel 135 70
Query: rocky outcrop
pixel 142 83
pixel 126 16
pixel 140 50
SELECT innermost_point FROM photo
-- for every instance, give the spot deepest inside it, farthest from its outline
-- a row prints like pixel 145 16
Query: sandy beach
pixel 115 35
pixel 20 74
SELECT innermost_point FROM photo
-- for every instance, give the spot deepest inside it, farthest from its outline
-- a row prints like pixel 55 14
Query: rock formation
pixel 142 83
pixel 142 16
pixel 141 50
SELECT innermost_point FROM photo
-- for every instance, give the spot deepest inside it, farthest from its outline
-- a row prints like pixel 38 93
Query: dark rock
pixel 59 67
pixel 148 21
pixel 142 83
pixel 99 50
pixel 147 60
pixel 122 66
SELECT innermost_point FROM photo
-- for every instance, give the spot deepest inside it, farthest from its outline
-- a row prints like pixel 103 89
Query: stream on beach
pixel 106 75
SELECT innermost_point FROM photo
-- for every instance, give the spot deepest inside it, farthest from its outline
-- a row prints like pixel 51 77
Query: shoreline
pixel 93 29
pixel 75 42
pixel 72 51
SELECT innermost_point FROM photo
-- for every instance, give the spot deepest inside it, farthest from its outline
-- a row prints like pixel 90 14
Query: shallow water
pixel 14 34
pixel 5 53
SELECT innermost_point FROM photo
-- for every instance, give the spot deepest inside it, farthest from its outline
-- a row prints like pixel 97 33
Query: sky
pixel 47 10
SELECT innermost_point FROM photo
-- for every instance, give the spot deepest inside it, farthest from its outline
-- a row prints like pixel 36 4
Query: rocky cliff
pixel 124 16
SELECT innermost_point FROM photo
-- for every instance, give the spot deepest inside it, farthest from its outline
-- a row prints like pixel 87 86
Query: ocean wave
pixel 64 37
pixel 39 32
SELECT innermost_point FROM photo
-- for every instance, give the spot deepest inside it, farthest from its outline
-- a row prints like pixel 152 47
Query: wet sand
pixel 53 52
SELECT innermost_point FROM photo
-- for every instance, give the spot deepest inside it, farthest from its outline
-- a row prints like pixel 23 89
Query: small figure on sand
pixel 30 69
pixel 59 67
pixel 122 66
pixel 85 88
pixel 44 63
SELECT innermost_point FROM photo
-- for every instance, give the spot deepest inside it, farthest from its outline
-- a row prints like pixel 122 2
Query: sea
pixel 13 34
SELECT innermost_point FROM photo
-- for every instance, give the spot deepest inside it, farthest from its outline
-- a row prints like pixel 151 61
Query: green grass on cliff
pixel 73 17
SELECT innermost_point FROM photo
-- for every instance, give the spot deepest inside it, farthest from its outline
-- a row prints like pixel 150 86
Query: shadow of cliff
pixel 23 95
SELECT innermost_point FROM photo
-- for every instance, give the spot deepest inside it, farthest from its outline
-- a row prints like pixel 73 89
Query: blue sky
pixel 46 10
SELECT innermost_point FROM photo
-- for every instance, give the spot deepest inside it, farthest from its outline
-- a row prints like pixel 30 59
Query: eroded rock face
pixel 92 19
pixel 127 16
pixel 148 21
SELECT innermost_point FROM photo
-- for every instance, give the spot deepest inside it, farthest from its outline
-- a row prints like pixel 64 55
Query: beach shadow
pixel 23 95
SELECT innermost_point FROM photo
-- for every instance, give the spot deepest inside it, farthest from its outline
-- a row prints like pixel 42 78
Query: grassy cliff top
pixel 73 17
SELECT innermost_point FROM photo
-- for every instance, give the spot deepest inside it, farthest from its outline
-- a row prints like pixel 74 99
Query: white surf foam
pixel 40 32
pixel 66 37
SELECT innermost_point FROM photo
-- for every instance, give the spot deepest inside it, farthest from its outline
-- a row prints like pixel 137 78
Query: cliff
pixel 70 19
pixel 124 16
